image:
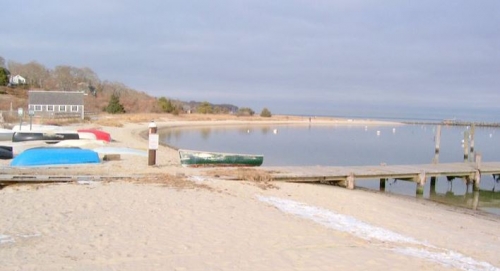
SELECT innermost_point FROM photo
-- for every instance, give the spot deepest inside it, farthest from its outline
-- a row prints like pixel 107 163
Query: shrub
pixel 265 113
pixel 245 111
pixel 114 105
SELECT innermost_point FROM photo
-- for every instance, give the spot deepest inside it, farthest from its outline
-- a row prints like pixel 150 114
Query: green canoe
pixel 190 158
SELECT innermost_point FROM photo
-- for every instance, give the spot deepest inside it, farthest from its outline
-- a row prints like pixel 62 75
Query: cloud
pixel 295 55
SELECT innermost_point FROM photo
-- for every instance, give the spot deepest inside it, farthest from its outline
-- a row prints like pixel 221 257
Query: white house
pixel 17 80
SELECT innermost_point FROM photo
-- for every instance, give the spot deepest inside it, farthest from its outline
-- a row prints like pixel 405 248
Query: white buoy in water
pixel 378 133
pixel 275 131
pixel 393 130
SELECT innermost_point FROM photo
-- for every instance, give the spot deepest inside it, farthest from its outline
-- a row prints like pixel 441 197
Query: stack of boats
pixel 50 145
pixel 42 145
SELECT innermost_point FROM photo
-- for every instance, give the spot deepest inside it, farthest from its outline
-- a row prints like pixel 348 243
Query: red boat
pixel 99 134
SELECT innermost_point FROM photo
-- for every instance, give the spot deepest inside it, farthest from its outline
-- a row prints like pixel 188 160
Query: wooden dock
pixel 346 176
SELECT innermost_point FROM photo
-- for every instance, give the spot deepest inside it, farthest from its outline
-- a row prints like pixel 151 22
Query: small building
pixel 17 80
pixel 56 104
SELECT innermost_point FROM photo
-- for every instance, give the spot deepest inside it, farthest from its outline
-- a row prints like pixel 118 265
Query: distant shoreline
pixel 455 123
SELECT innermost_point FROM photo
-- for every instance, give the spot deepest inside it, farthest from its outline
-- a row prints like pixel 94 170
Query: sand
pixel 166 217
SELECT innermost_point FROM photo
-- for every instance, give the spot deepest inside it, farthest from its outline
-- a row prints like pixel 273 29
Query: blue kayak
pixel 44 156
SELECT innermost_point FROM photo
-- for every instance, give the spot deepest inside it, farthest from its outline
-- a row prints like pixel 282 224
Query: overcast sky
pixel 341 57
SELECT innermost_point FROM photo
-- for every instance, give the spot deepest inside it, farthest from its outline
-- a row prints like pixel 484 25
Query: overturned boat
pixel 6 152
pixel 191 158
pixel 49 137
pixel 44 156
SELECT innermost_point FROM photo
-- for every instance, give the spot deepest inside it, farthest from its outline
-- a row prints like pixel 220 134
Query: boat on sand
pixel 50 137
pixel 37 127
pixel 6 134
pixel 44 156
pixel 6 152
pixel 99 134
pixel 191 158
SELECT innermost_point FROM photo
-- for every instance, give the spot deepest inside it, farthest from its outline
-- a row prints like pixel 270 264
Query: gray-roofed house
pixel 56 104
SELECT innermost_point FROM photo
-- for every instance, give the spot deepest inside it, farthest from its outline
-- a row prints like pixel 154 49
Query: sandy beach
pixel 167 217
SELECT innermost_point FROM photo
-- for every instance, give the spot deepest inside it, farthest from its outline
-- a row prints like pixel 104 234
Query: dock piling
pixel 472 132
pixel 477 175
pixel 350 181
pixel 432 187
pixel 382 184
pixel 475 201
pixel 420 183
pixel 437 139
pixel 466 146
pixel 346 175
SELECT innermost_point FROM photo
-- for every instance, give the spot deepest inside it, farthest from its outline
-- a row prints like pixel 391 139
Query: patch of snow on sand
pixel 366 231
pixel 6 239
pixel 197 179
pixel 337 221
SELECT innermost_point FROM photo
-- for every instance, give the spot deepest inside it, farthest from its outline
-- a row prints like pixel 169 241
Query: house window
pixel 50 108
pixel 74 108
pixel 38 108
pixel 32 107
pixel 62 108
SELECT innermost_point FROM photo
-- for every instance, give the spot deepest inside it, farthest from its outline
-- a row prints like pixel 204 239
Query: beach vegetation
pixel 205 108
pixel 220 110
pixel 245 111
pixel 169 106
pixel 265 113
pixel 4 76
pixel 166 105
pixel 98 92
pixel 114 105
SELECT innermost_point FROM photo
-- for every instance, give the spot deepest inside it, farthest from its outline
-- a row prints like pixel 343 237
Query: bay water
pixel 356 145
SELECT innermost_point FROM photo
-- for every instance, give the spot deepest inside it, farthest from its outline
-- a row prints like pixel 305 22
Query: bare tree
pixel 36 74
pixel 71 78
pixel 87 80
pixel 64 77
pixel 15 67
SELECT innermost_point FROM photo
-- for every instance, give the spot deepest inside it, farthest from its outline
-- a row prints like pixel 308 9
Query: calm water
pixel 291 145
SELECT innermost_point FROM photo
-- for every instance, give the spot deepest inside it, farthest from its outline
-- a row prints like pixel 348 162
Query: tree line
pixel 103 95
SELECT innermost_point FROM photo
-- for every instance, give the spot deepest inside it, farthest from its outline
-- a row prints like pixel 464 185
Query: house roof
pixel 55 97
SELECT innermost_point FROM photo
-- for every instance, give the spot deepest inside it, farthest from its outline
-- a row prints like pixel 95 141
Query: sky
pixel 393 58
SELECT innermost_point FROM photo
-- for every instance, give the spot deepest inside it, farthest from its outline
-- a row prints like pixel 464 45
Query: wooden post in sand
pixel 153 143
